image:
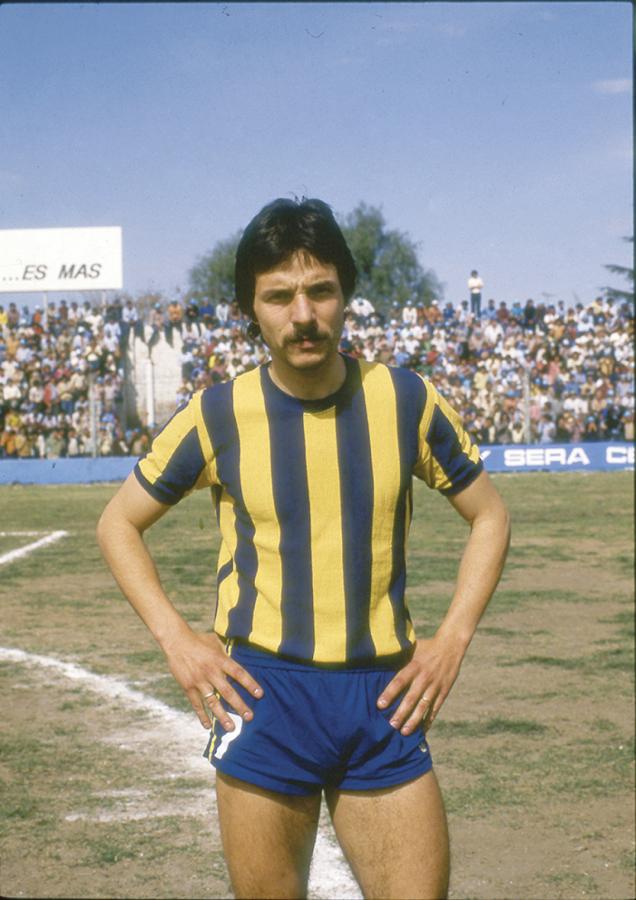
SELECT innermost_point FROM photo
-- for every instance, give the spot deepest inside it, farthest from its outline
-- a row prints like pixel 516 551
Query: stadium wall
pixel 605 456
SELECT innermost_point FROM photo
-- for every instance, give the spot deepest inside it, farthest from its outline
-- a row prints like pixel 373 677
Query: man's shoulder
pixel 406 382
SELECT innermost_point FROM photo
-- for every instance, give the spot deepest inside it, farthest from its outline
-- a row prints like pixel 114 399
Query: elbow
pixel 496 520
pixel 116 528
pixel 108 526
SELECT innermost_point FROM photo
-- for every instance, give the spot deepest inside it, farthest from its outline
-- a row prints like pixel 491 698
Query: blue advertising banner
pixel 606 456
pixel 81 470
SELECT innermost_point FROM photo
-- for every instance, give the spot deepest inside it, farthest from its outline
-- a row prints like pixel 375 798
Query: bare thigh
pixel 268 838
pixel 395 839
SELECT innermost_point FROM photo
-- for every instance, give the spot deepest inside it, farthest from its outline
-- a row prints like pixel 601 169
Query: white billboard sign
pixel 60 259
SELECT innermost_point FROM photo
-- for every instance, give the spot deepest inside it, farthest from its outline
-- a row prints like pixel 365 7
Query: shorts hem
pixel 265 781
pixel 372 784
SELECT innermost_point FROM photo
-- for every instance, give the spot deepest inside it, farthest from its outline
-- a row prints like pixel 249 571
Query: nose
pixel 302 310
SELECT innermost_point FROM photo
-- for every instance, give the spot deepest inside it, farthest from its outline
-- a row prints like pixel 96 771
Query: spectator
pixel 223 311
pixel 175 319
pixel 409 313
pixel 579 365
pixel 591 430
pixel 361 308
pixel 206 308
pixel 490 312
pixel 129 321
pixel 517 432
pixel 563 431
pixel 13 316
pixel 157 322
pixel 55 444
pixel 529 315
pixel 475 286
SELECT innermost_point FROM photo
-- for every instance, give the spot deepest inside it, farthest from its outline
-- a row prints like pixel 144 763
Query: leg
pixel 268 838
pixel 395 839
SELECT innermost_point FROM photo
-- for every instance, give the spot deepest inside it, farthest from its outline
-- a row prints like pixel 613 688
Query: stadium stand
pixel 87 379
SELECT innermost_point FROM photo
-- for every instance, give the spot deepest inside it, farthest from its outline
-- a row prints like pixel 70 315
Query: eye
pixel 321 291
pixel 277 297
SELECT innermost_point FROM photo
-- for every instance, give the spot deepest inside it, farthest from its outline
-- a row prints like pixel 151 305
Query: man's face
pixel 299 307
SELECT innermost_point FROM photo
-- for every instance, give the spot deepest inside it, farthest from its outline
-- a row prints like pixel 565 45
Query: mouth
pixel 307 341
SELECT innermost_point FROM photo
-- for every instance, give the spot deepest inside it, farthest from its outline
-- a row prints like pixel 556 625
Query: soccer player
pixel 312 678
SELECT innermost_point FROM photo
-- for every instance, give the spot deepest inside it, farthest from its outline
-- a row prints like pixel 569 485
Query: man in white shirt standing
pixel 409 313
pixel 361 308
pixel 222 311
pixel 475 285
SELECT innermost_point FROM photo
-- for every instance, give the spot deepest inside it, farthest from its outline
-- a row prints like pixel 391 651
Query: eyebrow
pixel 323 284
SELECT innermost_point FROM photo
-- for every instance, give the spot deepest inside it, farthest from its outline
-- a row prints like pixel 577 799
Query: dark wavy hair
pixel 279 230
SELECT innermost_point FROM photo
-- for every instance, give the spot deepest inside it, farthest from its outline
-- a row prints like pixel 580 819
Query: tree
pixel 212 275
pixel 388 266
pixel 625 272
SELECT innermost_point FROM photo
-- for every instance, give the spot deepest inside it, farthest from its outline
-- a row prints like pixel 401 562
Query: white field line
pixel 20 533
pixel 49 538
pixel 330 876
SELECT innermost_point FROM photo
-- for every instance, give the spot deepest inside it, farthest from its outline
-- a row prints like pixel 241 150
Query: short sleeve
pixel 180 459
pixel 448 459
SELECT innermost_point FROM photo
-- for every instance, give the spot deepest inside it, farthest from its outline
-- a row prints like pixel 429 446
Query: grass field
pixel 108 797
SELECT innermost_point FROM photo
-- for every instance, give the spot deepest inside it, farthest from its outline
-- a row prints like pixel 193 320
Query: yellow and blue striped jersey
pixel 313 500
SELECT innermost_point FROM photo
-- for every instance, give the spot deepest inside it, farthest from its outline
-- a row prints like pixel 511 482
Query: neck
pixel 309 384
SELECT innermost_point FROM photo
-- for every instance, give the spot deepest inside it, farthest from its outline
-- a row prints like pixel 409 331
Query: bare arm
pixel 427 679
pixel 198 661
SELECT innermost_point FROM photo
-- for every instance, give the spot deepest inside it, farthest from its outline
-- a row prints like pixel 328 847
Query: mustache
pixel 311 333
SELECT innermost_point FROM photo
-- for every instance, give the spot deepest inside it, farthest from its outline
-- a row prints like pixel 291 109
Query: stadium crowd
pixel 523 373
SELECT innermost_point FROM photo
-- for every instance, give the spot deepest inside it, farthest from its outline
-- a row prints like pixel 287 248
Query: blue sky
pixel 498 135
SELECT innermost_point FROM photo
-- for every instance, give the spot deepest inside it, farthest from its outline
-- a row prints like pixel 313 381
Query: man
pixel 475 285
pixel 490 313
pixel 409 313
pixel 175 320
pixel 529 315
pixel 361 308
pixel 222 311
pixel 503 313
pixel 313 678
pixel 449 315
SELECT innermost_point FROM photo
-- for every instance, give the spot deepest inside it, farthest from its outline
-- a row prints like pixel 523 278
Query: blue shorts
pixel 316 727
